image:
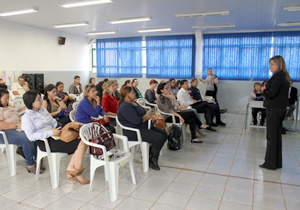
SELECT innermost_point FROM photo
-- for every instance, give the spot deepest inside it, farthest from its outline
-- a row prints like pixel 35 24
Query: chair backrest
pixel 79 98
pixel 141 101
pixel 75 105
pixel 72 115
pixel 73 96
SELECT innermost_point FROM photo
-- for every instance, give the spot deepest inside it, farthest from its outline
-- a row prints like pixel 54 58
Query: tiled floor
pixel 222 173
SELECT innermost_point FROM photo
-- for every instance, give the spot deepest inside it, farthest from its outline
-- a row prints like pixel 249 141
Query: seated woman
pixel 109 101
pixel 68 100
pixel 127 83
pixel 55 106
pixel 38 124
pixel 131 114
pixel 117 93
pixel 166 104
pixel 92 81
pixel 258 96
pixel 9 123
pixel 150 92
pixel 90 106
pixel 99 88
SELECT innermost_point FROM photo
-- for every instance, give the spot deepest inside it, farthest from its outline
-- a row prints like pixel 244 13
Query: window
pixel 170 56
pixel 121 57
pixel 239 56
pixel 287 44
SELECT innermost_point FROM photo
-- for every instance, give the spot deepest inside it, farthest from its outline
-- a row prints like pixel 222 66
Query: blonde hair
pixel 107 85
pixel 87 89
pixel 282 67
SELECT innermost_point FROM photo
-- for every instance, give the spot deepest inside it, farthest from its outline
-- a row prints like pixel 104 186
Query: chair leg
pixel 106 173
pixel 92 172
pixel 113 181
pixel 145 156
pixel 11 158
pixel 132 170
pixel 54 165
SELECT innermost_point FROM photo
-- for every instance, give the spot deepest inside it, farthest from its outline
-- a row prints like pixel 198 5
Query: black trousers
pixel 215 111
pixel 59 146
pixel 189 118
pixel 212 93
pixel 204 108
pixel 273 157
pixel 156 136
pixel 263 115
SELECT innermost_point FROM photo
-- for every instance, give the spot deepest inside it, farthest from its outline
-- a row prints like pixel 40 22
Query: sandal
pixel 33 170
pixel 196 141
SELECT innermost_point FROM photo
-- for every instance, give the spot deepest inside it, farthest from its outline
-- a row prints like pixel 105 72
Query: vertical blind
pixel 170 56
pixel 119 57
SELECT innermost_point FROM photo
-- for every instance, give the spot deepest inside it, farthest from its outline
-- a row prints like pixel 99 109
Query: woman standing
pixel 276 101
pixel 211 80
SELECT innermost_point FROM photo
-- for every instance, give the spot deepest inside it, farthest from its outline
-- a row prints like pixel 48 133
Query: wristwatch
pixel 16 126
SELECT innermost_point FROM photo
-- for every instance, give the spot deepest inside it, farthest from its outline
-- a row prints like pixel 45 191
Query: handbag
pixel 101 121
pixel 105 138
pixel 70 131
pixel 160 122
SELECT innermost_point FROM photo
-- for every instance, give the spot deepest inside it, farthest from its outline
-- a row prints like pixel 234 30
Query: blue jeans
pixel 19 138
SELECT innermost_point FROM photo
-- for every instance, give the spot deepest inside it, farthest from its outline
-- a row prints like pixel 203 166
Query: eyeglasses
pixel 37 100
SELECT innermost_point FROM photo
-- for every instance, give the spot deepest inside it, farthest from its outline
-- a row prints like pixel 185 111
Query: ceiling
pixel 247 15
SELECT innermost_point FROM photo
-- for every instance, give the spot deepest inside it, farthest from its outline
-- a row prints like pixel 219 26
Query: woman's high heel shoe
pixel 75 179
pixel 75 172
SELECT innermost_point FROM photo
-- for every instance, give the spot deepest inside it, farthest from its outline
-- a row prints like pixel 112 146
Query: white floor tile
pixel 234 206
pixel 174 199
pixel 268 202
pixel 198 203
pixel 237 197
pixel 134 204
pixel 209 192
pixel 41 199
pixel 181 187
pixel 65 203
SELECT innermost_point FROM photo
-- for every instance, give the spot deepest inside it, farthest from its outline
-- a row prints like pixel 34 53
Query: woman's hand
pixel 146 117
pixel 56 98
pixel 181 119
pixel 106 119
pixel 56 131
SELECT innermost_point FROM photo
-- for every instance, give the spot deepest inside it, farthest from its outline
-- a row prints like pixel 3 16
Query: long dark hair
pixel 160 87
pixel 46 98
pixel 123 93
pixel 3 92
pixel 125 83
pixel 282 67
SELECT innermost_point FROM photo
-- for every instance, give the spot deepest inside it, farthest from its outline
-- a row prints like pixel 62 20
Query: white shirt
pixel 17 87
pixel 184 98
pixel 38 125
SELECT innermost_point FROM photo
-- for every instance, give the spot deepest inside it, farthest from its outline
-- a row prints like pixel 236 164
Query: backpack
pixel 175 138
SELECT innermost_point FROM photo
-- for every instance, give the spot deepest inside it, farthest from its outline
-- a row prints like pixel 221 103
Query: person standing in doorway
pixel 276 100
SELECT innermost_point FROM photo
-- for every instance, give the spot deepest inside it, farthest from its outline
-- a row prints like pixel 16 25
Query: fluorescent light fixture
pixel 84 3
pixel 196 14
pixel 289 24
pixel 130 20
pixel 101 33
pixel 153 30
pixel 19 12
pixel 292 8
pixel 214 26
pixel 65 25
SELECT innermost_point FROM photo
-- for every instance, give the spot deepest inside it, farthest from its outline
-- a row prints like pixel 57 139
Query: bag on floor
pixel 175 138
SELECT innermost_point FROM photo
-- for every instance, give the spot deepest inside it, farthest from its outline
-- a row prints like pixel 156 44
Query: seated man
pixel 184 99
pixel 20 87
pixel 75 88
pixel 293 96
pixel 196 95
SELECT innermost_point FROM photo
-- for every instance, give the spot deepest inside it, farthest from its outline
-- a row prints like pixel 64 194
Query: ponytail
pixel 123 93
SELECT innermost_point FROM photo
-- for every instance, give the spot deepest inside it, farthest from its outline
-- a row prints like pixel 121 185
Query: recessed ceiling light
pixel 196 14
pixel 214 26
pixel 153 30
pixel 19 12
pixel 84 3
pixel 101 33
pixel 289 24
pixel 65 25
pixel 130 20
pixel 292 8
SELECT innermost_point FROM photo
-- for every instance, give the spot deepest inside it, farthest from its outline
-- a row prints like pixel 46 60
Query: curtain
pixel 239 56
pixel 119 57
pixel 170 56
pixel 287 44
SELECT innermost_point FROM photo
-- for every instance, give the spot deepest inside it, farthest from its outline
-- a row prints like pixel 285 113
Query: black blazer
pixel 293 95
pixel 276 92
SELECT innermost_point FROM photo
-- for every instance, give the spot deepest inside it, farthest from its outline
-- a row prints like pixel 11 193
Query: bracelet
pixel 16 126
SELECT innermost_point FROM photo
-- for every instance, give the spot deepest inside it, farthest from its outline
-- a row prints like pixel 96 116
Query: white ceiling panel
pixel 247 15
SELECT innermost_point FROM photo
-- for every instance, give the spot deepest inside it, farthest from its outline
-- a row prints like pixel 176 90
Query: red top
pixel 109 103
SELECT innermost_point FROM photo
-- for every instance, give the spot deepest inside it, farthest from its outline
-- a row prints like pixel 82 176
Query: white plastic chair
pixel 75 105
pixel 10 153
pixel 54 163
pixel 111 167
pixel 72 115
pixel 143 145
pixel 143 102
pixel 73 96
pixel 79 98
